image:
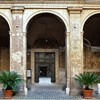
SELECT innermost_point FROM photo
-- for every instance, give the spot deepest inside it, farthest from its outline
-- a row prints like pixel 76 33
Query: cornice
pixel 17 9
pixel 74 10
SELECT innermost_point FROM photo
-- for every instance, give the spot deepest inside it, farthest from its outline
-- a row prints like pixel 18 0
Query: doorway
pixel 43 71
pixel 44 66
pixel 46 33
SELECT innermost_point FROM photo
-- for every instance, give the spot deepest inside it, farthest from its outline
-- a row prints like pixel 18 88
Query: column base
pixel 22 92
pixel 25 91
pixel 67 91
pixel 98 88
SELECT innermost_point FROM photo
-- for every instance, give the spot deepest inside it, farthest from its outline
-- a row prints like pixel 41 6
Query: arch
pixel 87 17
pixel 5 27
pixel 6 18
pixel 47 11
pixel 55 72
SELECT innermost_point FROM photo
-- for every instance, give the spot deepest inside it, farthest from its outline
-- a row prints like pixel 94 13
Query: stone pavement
pixel 48 92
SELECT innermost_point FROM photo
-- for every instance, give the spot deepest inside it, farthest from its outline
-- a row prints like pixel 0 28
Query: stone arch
pixel 56 52
pixel 91 41
pixel 4 42
pixel 47 11
pixel 87 17
pixel 7 19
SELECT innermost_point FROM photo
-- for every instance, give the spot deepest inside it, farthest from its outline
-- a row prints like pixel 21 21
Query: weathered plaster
pixel 91 60
pixel 16 56
pixel 74 20
pixel 28 14
pixel 75 48
pixel 6 14
pixel 18 45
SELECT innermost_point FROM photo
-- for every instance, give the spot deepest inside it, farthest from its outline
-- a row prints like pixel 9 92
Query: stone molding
pixel 68 34
pixel 75 10
pixel 17 9
pixel 17 34
pixel 82 33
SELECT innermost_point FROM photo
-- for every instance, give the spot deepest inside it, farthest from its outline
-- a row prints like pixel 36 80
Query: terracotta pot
pixel 88 93
pixel 7 93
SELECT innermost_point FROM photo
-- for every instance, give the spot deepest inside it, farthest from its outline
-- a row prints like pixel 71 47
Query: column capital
pixel 17 9
pixel 74 10
pixel 11 33
pixel 17 34
pixel 68 34
pixel 24 33
pixel 82 33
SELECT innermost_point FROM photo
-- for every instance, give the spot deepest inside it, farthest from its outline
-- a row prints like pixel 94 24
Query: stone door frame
pixel 56 51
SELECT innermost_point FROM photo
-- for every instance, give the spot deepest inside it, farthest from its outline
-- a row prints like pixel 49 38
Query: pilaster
pixel 75 48
pixel 18 45
pixel 67 61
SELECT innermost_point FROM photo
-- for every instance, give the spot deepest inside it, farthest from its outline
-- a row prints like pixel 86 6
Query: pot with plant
pixel 10 81
pixel 87 80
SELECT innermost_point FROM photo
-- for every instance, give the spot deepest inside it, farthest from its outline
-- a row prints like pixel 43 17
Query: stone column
pixel 67 61
pixel 18 45
pixel 82 55
pixel 33 65
pixel 76 63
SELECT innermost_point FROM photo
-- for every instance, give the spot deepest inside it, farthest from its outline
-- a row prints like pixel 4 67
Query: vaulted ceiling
pixel 4 33
pixel 92 30
pixel 46 29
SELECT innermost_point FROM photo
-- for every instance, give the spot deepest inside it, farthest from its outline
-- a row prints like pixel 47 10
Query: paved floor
pixel 45 80
pixel 44 91
pixel 48 92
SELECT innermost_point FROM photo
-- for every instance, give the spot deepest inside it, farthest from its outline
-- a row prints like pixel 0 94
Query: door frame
pixel 56 51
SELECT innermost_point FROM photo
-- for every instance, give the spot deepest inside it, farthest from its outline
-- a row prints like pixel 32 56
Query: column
pixel 82 55
pixel 67 61
pixel 76 52
pixel 18 45
pixel 33 65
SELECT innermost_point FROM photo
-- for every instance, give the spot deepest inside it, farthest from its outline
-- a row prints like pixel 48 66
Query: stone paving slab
pixel 48 92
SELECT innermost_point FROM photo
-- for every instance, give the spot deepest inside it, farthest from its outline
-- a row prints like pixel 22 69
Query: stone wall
pixel 62 76
pixel 4 59
pixel 62 70
pixel 91 60
pixel 61 58
pixel 28 60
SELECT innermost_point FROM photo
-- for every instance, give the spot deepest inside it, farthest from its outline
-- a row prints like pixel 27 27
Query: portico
pixel 55 42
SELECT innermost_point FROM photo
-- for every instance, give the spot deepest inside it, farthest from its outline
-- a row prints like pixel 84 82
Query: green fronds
pixel 87 79
pixel 10 79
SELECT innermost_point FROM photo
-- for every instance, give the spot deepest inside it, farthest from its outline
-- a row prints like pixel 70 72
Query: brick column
pixel 18 45
pixel 76 62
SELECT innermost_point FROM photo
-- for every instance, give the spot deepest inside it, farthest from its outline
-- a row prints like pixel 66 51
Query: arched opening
pixel 4 45
pixel 46 47
pixel 91 42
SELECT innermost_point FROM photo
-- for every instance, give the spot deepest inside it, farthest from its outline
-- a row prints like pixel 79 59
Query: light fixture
pixel 46 40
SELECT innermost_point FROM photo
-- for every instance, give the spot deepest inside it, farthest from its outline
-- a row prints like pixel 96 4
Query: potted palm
pixel 10 80
pixel 87 80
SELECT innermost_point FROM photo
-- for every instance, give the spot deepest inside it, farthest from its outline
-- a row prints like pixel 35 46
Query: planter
pixel 7 93
pixel 87 93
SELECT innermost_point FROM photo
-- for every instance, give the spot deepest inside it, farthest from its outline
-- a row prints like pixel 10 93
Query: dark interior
pixel 92 30
pixel 45 31
pixel 4 33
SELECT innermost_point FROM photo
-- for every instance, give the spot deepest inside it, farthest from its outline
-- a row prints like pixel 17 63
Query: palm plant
pixel 10 80
pixel 87 79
